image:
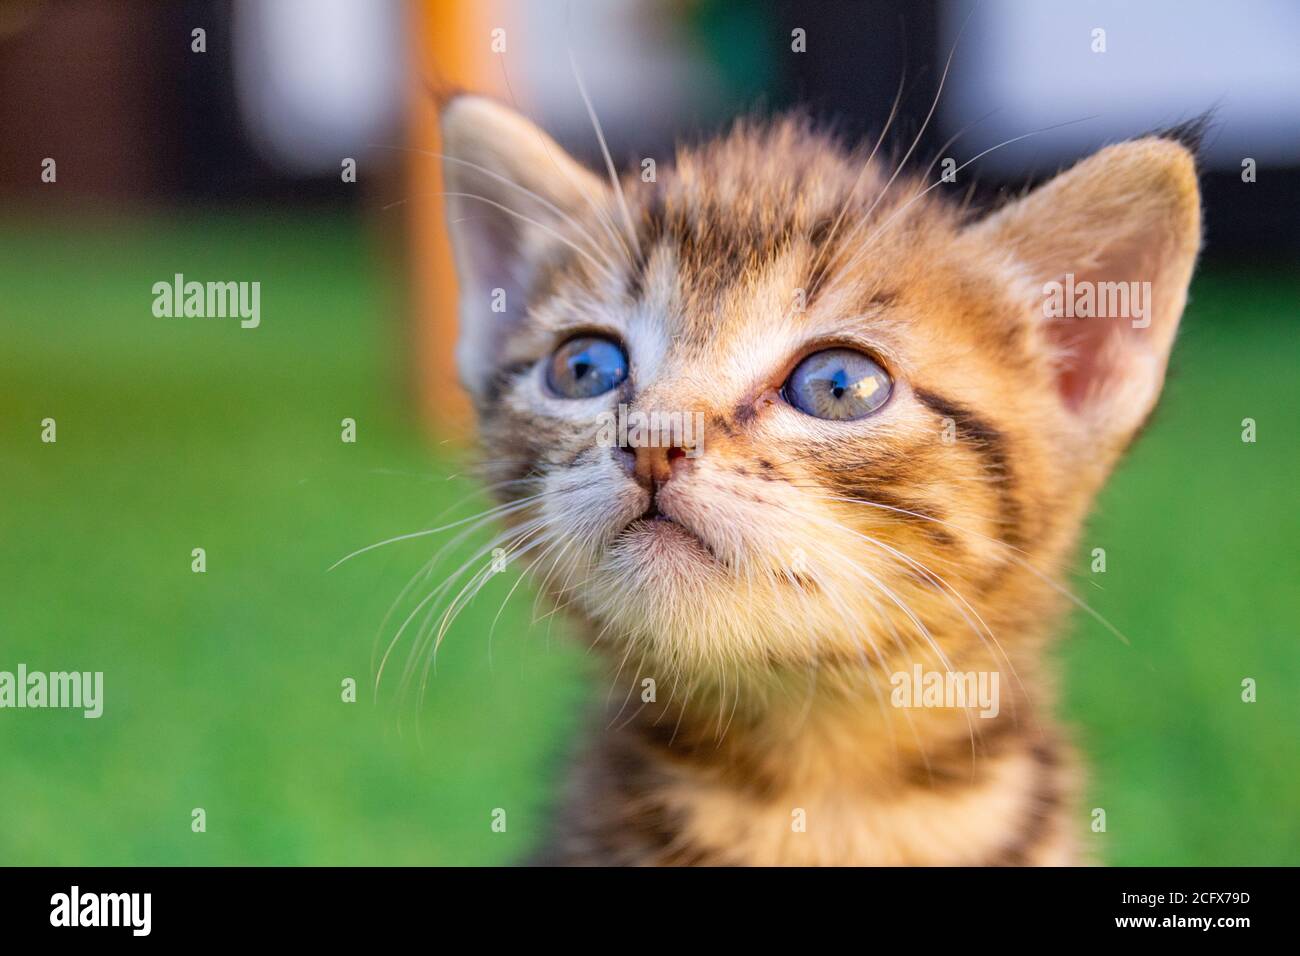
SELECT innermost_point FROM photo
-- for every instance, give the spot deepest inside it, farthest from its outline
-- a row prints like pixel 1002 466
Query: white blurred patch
pixel 1165 60
pixel 645 74
pixel 318 80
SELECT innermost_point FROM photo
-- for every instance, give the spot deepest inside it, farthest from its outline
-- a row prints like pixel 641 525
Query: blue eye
pixel 838 384
pixel 586 366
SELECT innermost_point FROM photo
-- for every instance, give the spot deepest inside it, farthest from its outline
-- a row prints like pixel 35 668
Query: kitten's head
pixel 898 440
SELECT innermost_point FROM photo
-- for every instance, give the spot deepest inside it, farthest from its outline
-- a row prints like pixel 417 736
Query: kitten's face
pixel 895 443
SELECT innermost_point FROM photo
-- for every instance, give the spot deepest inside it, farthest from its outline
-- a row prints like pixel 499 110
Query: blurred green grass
pixel 223 689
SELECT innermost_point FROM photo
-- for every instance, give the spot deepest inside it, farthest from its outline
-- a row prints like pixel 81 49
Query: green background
pixel 223 689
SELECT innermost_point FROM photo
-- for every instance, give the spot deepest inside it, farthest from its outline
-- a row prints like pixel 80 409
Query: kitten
pixel 899 446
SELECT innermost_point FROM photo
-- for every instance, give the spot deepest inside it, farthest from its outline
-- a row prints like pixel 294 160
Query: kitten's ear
pixel 509 188
pixel 1129 214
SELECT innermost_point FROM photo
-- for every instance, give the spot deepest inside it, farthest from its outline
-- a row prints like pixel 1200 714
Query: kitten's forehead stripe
pixel 730 208
pixel 766 222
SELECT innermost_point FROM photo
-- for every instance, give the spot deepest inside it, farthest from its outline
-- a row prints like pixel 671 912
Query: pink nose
pixel 654 466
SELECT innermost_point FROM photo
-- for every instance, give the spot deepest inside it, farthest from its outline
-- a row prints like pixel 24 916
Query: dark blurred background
pixel 286 86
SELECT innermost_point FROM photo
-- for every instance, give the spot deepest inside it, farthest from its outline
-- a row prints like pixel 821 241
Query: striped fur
pixel 750 647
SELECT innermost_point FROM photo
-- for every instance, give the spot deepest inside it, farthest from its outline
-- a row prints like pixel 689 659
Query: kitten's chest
pixel 648 806
pixel 1012 813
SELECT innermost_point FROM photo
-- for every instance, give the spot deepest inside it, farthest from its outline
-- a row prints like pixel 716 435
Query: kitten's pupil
pixel 581 368
pixel 839 384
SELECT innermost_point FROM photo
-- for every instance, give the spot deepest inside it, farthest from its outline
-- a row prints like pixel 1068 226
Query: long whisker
pixel 601 266
pixel 953 596
pixel 433 595
pixel 467 593
pixel 939 182
pixel 601 215
pixel 544 202
pixel 830 236
pixel 495 511
pixel 523 575
pixel 631 686
pixel 474 523
pixel 609 163
pixel 1013 554
pixel 934 105
pixel 423 573
pixel 458 604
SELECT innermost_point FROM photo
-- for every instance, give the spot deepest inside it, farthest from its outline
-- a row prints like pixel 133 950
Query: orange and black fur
pixel 756 596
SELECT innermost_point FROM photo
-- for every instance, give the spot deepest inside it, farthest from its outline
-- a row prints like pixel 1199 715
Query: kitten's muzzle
pixel 652 467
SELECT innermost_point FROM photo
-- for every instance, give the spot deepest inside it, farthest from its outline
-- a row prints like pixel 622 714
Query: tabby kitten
pixel 899 446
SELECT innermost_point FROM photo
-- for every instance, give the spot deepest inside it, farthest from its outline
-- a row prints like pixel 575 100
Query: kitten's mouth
pixel 664 531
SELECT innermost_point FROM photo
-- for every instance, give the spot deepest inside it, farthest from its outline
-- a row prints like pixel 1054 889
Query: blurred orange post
pixel 451 40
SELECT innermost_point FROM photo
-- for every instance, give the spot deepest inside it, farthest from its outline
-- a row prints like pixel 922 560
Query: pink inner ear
pixel 1096 349
pixel 1085 343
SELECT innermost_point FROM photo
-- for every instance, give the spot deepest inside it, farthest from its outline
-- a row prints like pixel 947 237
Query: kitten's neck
pixel 819 769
